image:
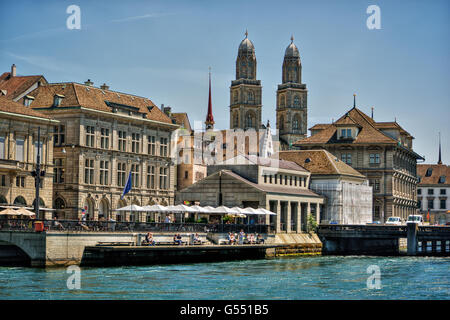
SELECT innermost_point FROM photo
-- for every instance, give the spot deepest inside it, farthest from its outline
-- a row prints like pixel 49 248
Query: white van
pixel 394 220
pixel 416 218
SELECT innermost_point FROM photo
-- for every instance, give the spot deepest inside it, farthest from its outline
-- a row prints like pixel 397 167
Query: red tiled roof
pixel 437 170
pixel 7 105
pixel 14 86
pixel 368 133
pixel 320 162
pixel 94 98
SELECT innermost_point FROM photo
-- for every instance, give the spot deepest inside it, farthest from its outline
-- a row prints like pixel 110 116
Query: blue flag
pixel 127 186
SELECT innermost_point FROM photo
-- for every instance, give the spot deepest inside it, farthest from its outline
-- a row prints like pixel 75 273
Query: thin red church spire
pixel 209 117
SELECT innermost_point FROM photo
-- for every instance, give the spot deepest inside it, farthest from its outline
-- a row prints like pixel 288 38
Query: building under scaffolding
pixel 346 203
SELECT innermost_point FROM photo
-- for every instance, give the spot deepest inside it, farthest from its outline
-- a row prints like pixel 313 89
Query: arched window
pixel 236 97
pixel 249 123
pixel 236 120
pixel 296 101
pixel 103 209
pixel 88 209
pixel 295 123
pixel 59 203
pixel 20 201
pixel 251 97
pixel 3 200
pixel 282 101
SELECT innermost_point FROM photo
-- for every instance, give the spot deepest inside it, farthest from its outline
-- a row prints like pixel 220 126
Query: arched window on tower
pixel 251 97
pixel 249 121
pixel 236 97
pixel 296 101
pixel 282 101
pixel 236 120
pixel 295 123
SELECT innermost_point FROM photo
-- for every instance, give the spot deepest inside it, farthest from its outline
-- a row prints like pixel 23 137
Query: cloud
pixel 48 63
pixel 145 16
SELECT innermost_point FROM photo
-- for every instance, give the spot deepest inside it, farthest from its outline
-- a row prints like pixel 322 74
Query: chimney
pixel 13 70
pixel 166 110
pixel 89 83
pixel 104 87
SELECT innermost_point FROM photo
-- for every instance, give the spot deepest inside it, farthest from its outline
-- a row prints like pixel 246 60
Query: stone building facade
pixel 104 136
pixel 292 102
pixel 18 156
pixel 348 196
pixel 433 192
pixel 246 181
pixel 382 151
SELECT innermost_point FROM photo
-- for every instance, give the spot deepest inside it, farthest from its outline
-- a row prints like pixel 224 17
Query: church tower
pixel 245 91
pixel 291 99
pixel 209 123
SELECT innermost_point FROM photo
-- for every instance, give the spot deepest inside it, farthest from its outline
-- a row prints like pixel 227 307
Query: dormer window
pixel 57 100
pixel 429 172
pixel 441 179
pixel 27 100
pixel 345 133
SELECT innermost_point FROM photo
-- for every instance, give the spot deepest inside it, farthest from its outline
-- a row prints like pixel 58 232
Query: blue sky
pixel 162 50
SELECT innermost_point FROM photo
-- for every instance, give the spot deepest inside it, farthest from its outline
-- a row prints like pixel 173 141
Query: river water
pixel 317 277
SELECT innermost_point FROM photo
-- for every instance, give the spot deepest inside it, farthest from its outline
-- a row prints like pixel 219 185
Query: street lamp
pixel 37 174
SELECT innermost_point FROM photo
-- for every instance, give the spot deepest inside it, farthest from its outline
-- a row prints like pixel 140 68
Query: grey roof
pixel 292 51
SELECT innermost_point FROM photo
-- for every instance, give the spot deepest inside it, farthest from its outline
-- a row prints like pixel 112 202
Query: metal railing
pixel 109 226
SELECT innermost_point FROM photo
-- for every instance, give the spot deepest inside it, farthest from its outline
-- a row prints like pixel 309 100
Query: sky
pixel 163 49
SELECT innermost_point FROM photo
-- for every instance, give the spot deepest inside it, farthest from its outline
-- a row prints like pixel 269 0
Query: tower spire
pixel 440 159
pixel 209 116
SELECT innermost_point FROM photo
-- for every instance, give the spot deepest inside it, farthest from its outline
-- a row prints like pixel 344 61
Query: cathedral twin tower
pixel 245 94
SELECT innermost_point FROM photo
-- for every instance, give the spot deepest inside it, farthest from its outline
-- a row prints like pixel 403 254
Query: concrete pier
pixel 411 235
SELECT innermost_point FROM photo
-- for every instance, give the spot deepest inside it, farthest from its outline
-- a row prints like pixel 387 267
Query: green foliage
pixel 312 224
pixel 227 218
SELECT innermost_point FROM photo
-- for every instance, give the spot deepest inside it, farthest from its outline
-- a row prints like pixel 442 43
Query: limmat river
pixel 317 277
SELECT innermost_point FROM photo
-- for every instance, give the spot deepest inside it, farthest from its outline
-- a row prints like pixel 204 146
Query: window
pixel 443 191
pixel 236 119
pixel 104 138
pixel 20 149
pixel 38 146
pixel 346 158
pixel 2 180
pixel 27 100
pixel 104 172
pixel 135 175
pixel 57 100
pixel 121 173
pixel 346 133
pixel 286 180
pixel 58 170
pixel 152 145
pixel 442 204
pixel 151 177
pixel 2 148
pixel 186 174
pixel 122 141
pixel 265 178
pixel 163 178
pixel 235 97
pixel 135 139
pixel 296 101
pixel 20 182
pixel 282 102
pixel 374 158
pixel 430 191
pixel 249 121
pixel 251 97
pixel 429 172
pixel 430 203
pixel 90 134
pixel 441 179
pixel 163 148
pixel 419 191
pixel 89 171
pixel 419 204
pixel 59 136
pixel 295 123
pixel 375 185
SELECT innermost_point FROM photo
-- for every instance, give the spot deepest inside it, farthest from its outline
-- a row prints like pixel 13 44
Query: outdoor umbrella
pixel 9 212
pixel 131 208
pixel 265 211
pixel 25 212
pixel 157 208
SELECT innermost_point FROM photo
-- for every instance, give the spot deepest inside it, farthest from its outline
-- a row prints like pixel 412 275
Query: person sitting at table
pixel 197 239
pixel 260 239
pixel 251 239
pixel 177 239
pixel 149 239
pixel 231 238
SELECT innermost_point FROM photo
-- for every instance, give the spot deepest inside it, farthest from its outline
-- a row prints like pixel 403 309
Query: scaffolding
pixel 346 203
